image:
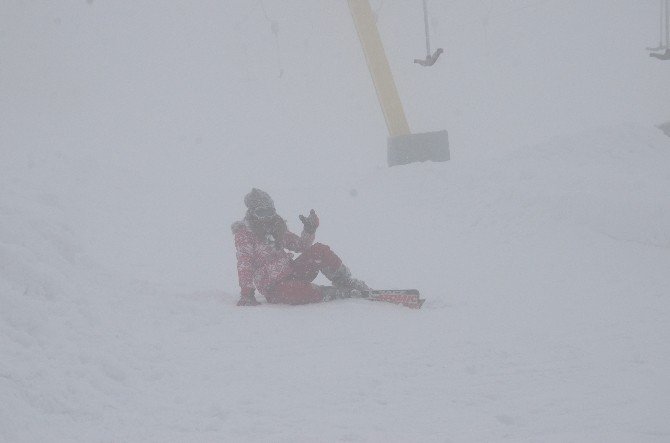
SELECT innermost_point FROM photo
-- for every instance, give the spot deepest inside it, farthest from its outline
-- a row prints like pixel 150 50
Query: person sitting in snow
pixel 261 240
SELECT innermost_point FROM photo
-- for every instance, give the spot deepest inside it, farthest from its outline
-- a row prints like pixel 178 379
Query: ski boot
pixel 330 293
pixel 346 284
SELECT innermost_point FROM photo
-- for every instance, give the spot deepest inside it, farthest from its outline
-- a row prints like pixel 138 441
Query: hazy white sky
pixel 151 74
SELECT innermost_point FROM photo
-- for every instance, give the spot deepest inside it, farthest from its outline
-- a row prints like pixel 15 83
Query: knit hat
pixel 258 199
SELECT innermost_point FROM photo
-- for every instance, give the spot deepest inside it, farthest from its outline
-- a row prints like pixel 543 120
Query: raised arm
pixel 300 244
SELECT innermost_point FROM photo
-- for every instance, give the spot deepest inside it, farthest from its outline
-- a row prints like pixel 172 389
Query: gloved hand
pixel 248 298
pixel 311 222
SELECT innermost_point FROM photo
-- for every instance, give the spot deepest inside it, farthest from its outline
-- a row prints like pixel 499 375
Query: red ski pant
pixel 297 288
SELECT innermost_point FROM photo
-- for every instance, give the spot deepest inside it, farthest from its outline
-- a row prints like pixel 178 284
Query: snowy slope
pixel 545 272
pixel 129 133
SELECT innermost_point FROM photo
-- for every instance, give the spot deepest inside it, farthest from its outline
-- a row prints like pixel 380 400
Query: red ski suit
pixel 274 272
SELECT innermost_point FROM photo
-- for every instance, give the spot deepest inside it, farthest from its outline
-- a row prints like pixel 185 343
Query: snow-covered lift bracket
pixel 664 32
pixel 431 57
pixel 403 146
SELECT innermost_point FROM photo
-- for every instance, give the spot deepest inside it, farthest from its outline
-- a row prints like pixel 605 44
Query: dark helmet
pixel 259 203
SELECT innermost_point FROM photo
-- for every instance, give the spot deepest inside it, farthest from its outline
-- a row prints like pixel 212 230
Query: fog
pixel 130 132
pixel 207 96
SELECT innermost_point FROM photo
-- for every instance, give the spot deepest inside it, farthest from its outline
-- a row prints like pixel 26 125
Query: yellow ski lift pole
pixel 403 146
pixel 378 64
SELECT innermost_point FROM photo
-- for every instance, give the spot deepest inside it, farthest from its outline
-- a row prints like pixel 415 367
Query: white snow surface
pixel 130 132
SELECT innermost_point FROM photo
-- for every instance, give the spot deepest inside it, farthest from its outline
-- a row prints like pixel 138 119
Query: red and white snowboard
pixel 406 297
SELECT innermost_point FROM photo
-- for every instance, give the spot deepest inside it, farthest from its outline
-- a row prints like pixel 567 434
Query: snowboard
pixel 406 297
